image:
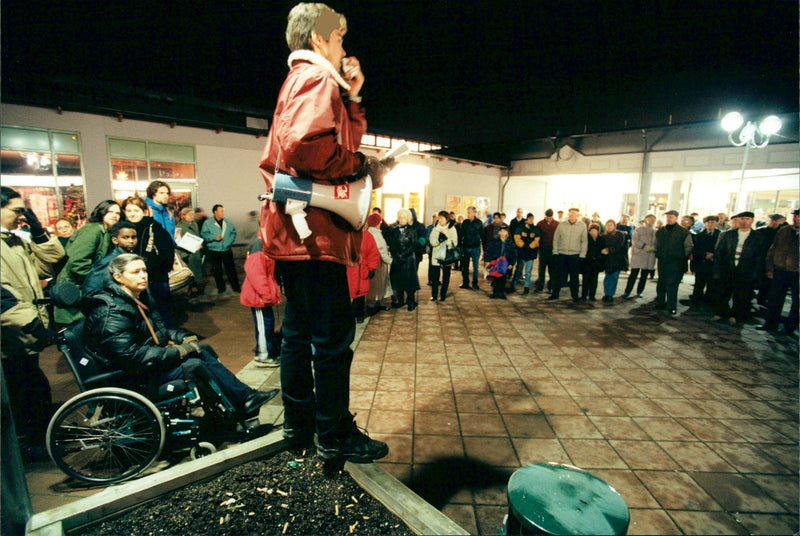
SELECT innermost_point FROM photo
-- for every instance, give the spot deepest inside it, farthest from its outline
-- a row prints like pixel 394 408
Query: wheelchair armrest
pixel 104 379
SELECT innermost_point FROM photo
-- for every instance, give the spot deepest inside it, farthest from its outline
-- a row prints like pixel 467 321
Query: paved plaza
pixel 694 422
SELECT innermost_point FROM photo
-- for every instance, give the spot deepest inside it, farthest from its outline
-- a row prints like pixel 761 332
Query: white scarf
pixel 316 59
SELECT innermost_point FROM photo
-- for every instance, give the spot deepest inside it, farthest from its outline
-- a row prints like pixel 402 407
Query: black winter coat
pixel 704 242
pixel 403 242
pixel 471 233
pixel 161 256
pixel 593 263
pixel 751 261
pixel 617 257
pixel 114 328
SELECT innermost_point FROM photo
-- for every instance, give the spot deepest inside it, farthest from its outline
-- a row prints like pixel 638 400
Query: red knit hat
pixel 374 219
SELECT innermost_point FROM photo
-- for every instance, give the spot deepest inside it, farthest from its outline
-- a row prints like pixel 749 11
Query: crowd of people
pixel 739 269
pixel 123 256
pixel 120 263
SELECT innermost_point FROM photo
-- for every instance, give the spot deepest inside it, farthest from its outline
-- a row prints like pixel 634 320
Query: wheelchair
pixel 115 429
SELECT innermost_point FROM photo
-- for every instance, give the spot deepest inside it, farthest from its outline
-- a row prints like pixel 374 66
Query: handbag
pixel 451 255
pixel 180 276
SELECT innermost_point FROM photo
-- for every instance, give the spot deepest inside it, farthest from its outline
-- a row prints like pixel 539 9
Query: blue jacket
pixel 498 248
pixel 211 229
pixel 162 216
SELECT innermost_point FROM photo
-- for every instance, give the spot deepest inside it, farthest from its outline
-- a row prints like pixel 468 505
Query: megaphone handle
pixel 294 209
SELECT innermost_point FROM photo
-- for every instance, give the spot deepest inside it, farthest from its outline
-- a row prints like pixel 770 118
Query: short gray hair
pixel 406 213
pixel 118 263
pixel 303 20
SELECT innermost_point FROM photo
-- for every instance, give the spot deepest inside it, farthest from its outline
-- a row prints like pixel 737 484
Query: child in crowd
pixel 261 293
pixel 504 248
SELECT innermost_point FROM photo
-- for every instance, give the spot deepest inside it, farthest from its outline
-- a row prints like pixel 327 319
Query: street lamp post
pixel 750 136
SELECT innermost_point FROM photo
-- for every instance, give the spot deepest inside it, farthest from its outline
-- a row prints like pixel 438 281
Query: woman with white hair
pixel 402 245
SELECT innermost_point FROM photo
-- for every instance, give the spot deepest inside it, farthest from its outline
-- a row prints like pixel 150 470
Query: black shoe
pixel 494 296
pixel 433 299
pixel 660 306
pixel 592 298
pixel 464 285
pixel 525 291
pixel 552 297
pixel 538 290
pixel 475 285
pixel 608 299
pixel 398 304
pixel 255 400
pixel 442 298
pixel 767 327
pixel 412 306
pixel 353 445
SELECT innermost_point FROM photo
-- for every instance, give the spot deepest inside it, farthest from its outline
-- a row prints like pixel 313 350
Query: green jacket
pixel 22 266
pixel 86 246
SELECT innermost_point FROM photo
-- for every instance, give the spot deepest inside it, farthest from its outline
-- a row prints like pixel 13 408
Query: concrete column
pixel 675 196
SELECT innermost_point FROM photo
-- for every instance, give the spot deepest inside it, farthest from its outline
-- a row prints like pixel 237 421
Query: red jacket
pixel 358 275
pixel 259 288
pixel 315 133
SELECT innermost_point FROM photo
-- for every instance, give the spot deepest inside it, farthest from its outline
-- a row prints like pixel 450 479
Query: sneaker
pixel 266 361
pixel 353 445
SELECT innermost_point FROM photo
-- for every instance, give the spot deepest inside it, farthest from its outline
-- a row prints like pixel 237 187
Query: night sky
pixel 447 72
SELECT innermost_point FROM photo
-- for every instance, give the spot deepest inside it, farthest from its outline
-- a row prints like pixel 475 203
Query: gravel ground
pixel 283 494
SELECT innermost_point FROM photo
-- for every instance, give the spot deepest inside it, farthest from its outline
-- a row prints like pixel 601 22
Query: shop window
pixel 135 163
pixel 45 167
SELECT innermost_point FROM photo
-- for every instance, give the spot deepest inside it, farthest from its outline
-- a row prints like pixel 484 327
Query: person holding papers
pixel 194 260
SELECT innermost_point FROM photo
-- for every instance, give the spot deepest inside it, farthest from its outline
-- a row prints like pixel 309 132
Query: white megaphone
pixel 350 200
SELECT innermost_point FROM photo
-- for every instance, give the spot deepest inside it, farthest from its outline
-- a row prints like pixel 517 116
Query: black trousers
pixel 499 285
pixel 703 286
pixel 218 259
pixel 568 266
pixel 439 292
pixel 783 282
pixel 545 263
pixel 669 279
pixel 318 328
pixel 632 275
pixel 589 283
pixel 735 288
pixel 29 395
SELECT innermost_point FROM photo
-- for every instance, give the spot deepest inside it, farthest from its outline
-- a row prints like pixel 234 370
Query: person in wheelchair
pixel 122 326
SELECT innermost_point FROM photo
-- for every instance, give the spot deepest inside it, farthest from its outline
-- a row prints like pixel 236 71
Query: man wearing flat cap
pixel 673 246
pixel 738 265
pixel 782 268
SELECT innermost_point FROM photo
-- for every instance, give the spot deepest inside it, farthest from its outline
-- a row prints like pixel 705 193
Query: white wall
pixel 462 179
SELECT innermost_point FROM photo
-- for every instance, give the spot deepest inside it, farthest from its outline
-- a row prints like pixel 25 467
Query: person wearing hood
pixel 157 199
pixel 380 287
pixel 157 248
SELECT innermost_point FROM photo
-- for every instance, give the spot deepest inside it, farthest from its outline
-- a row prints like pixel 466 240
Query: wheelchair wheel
pixel 105 435
pixel 203 448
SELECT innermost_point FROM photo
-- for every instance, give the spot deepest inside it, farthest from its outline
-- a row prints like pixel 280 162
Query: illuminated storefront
pixel 45 166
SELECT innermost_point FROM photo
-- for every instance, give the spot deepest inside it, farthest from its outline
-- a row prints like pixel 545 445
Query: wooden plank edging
pixel 116 498
pixel 419 515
